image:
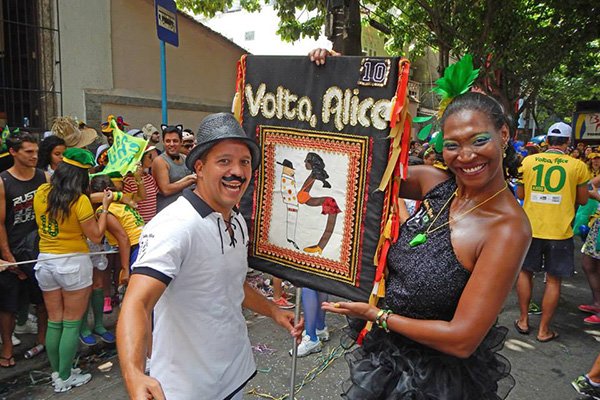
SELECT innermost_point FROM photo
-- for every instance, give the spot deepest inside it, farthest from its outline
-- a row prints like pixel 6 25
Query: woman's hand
pixel 124 276
pixel 137 174
pixel 318 56
pixel 107 198
pixel 352 309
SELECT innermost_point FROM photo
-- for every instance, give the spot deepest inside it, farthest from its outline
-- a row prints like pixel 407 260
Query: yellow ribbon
pixel 76 163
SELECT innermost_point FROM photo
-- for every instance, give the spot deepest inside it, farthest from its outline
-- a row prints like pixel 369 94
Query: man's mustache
pixel 232 178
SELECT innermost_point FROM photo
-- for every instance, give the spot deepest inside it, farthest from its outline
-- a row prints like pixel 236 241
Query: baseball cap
pixel 560 129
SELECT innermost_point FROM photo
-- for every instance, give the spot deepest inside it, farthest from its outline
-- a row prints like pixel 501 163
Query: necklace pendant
pixel 419 238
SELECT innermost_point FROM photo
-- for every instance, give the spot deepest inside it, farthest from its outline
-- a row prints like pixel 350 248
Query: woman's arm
pixel 140 194
pixel 92 229
pixel 116 229
pixel 420 180
pixel 492 278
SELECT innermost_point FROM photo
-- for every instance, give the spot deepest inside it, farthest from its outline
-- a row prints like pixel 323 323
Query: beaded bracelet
pixel 381 319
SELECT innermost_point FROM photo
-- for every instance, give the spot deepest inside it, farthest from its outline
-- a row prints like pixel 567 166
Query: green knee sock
pixel 53 335
pixel 68 347
pixel 85 329
pixel 98 310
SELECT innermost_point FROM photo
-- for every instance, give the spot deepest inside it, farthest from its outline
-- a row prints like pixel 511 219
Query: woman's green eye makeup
pixel 450 144
pixel 482 139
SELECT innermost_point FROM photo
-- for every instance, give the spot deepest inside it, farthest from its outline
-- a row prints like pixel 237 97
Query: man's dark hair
pixel 556 140
pixel 15 140
pixel 178 129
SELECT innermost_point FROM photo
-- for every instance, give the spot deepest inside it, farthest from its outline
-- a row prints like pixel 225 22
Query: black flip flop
pixel 553 336
pixel 9 359
pixel 521 330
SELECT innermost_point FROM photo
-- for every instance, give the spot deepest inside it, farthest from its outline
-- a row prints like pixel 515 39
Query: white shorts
pixel 73 272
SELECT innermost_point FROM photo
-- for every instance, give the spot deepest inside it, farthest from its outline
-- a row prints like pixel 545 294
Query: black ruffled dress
pixel 426 282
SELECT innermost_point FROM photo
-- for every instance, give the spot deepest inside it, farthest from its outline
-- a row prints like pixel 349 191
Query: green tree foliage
pixel 521 46
pixel 290 28
pixel 525 49
pixel 314 14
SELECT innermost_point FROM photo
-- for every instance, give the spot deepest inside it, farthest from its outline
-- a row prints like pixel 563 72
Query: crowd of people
pixel 181 253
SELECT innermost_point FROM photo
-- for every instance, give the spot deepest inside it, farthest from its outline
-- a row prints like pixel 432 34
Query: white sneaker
pixel 322 334
pixel 15 340
pixel 54 375
pixel 28 327
pixel 307 347
pixel 75 380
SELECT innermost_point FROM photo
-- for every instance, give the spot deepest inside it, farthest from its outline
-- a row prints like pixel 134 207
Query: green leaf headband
pixel 457 79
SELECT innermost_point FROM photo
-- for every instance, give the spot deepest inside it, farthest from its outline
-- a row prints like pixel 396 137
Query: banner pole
pixel 295 345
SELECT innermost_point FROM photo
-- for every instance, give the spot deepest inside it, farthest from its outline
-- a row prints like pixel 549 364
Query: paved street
pixel 542 370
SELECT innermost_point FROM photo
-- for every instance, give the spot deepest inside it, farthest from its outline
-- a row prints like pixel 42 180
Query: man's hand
pixel 286 320
pixel 143 387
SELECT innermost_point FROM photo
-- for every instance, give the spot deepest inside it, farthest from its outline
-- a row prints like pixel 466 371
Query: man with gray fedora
pixel 191 271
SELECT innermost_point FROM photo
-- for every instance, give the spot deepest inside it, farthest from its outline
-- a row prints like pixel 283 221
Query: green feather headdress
pixel 458 79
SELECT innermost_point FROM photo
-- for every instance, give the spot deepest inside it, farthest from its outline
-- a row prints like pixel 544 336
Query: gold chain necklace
pixel 421 238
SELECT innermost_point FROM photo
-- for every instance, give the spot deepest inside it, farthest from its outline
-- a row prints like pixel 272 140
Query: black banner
pixel 313 208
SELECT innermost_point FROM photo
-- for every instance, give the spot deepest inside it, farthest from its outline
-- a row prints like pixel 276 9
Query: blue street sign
pixel 166 21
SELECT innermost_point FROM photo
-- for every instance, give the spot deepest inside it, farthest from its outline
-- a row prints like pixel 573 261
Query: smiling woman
pixel 450 272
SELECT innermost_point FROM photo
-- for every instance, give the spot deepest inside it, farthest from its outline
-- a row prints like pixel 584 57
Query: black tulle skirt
pixel 391 367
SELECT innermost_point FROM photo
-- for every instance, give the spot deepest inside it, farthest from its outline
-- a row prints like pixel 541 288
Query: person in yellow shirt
pixel 124 226
pixel 553 183
pixel 65 218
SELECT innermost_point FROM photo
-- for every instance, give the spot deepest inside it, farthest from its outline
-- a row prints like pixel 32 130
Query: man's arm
pixel 160 172
pixel 259 304
pixel 133 331
pixel 4 248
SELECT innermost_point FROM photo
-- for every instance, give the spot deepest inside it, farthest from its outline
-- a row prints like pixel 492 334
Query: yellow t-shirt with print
pixel 550 182
pixel 130 219
pixel 65 235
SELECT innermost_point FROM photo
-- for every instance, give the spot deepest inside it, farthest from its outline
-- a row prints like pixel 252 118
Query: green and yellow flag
pixel 125 153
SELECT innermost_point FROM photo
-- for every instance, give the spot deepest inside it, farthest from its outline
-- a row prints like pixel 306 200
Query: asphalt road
pixel 542 370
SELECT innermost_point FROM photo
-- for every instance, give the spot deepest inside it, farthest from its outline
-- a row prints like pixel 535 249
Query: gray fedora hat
pixel 217 127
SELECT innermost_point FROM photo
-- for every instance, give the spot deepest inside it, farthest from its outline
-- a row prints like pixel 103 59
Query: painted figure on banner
pixel 315 164
pixel 289 193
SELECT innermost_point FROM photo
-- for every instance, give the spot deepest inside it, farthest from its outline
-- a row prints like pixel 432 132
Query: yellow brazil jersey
pixel 550 182
pixel 65 235
pixel 129 218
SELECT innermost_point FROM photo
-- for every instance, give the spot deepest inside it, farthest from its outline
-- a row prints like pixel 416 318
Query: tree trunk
pixel 346 29
pixel 352 41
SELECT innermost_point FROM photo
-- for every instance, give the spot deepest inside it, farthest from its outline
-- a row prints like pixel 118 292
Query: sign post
pixel 167 31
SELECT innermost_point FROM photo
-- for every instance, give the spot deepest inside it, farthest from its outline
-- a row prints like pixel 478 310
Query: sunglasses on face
pixel 188 145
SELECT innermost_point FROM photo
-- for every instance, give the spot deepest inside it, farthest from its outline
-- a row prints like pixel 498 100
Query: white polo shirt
pixel 201 347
